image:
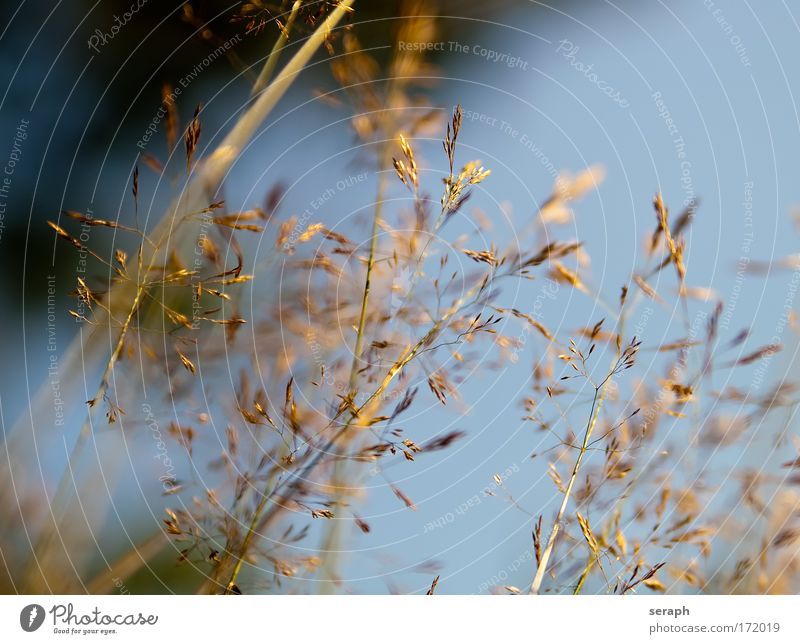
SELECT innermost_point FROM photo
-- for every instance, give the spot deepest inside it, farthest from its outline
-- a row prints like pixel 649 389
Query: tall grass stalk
pixel 597 403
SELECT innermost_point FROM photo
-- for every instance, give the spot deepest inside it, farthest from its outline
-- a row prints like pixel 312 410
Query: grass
pixel 305 428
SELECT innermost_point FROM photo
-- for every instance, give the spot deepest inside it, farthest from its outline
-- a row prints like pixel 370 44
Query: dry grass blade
pixel 272 59
pixel 675 248
pixel 192 137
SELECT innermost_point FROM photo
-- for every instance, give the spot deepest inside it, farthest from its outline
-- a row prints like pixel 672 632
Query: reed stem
pixel 597 403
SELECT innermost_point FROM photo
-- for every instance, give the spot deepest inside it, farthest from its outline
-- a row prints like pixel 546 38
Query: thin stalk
pixel 61 494
pixel 260 523
pixel 248 538
pixel 327 570
pixel 275 53
pixel 206 182
pixel 584 575
pixel 241 134
pixel 373 248
pixel 440 220
pixel 597 403
pixel 128 564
